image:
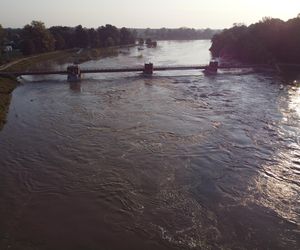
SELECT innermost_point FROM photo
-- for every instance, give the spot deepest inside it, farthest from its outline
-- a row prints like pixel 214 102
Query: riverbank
pixel 7 85
pixel 28 62
pixel 6 88
pixel 61 57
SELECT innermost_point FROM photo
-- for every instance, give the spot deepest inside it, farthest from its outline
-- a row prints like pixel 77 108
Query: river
pixel 179 160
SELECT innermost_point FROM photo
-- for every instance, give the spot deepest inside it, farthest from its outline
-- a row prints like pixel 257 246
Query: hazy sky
pixel 141 13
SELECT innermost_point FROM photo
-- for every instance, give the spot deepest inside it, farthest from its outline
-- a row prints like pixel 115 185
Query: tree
pixel 93 38
pixel 59 42
pixel 59 36
pixel 81 37
pixel 35 38
pixel 113 33
pixel 28 47
pixel 126 37
pixel 1 38
pixel 269 40
pixel 109 42
pixel 2 35
pixel 42 39
pixel 108 35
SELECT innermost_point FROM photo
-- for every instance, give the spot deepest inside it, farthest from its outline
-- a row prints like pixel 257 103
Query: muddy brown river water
pixel 179 160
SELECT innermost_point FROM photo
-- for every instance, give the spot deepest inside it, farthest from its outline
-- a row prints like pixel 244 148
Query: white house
pixel 7 48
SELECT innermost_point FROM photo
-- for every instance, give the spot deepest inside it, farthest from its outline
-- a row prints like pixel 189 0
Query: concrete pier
pixel 148 69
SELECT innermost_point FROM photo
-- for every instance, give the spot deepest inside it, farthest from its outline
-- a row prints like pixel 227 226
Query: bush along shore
pixel 7 85
pixel 268 41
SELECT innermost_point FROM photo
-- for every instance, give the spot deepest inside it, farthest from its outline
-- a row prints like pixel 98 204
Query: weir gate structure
pixel 74 71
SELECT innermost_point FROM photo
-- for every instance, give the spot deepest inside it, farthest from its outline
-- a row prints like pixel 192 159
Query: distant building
pixel 7 48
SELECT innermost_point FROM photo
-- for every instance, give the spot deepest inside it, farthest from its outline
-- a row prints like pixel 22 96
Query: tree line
pixel 267 41
pixel 36 38
pixel 176 34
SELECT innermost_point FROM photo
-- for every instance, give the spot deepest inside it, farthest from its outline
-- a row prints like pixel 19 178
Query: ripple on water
pixel 184 162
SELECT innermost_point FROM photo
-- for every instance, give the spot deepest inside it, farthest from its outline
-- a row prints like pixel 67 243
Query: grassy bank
pixel 6 88
pixel 26 63
pixel 60 57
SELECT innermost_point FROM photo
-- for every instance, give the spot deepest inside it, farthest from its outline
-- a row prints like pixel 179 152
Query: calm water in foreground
pixel 176 161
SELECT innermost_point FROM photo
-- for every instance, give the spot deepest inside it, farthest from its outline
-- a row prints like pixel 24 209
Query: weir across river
pixel 147 69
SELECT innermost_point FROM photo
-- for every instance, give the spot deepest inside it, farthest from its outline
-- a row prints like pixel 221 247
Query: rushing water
pixel 175 161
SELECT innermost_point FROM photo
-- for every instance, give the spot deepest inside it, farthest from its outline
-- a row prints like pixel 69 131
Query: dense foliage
pixel 2 35
pixel 176 34
pixel 36 38
pixel 270 40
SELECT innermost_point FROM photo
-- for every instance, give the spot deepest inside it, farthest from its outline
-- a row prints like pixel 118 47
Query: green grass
pixel 27 63
pixel 62 56
pixel 7 85
pixel 12 56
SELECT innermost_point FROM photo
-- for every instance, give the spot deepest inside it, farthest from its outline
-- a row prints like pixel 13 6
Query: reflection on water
pixel 176 161
pixel 75 86
pixel 294 104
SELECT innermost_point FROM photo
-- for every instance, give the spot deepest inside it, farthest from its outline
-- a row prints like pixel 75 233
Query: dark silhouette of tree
pixel 81 37
pixel 28 47
pixel 41 37
pixel 58 34
pixel 59 42
pixel 126 37
pixel 93 38
pixel 35 38
pixel 268 41
pixel 2 35
pixel 111 32
pixel 108 35
pixel 109 42
pixel 176 34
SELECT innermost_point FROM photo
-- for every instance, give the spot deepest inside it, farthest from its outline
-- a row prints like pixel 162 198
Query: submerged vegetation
pixel 268 41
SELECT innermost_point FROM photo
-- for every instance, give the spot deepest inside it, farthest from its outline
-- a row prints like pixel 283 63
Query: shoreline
pixel 68 56
pixel 7 86
pixel 25 62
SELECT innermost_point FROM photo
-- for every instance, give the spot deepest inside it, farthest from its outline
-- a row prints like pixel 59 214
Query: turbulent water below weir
pixel 175 161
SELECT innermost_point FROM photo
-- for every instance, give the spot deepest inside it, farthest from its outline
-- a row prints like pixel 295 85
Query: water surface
pixel 175 161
